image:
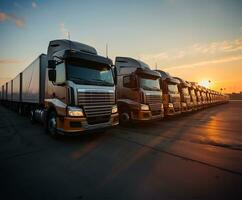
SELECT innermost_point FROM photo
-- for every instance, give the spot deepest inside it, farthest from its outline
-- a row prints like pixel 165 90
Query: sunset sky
pixel 197 40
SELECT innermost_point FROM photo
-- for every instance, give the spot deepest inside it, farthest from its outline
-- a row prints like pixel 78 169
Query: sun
pixel 205 83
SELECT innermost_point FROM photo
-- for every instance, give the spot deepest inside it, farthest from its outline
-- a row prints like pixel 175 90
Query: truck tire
pixel 20 111
pixel 51 124
pixel 32 117
pixel 124 117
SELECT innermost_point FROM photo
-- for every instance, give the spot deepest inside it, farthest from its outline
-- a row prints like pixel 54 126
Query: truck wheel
pixel 32 117
pixel 20 111
pixel 124 118
pixel 51 124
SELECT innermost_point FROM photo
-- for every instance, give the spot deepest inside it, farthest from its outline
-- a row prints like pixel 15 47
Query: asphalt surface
pixel 196 156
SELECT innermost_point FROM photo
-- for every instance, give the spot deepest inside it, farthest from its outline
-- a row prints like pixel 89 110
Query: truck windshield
pixel 173 88
pixel 90 74
pixel 185 91
pixel 150 84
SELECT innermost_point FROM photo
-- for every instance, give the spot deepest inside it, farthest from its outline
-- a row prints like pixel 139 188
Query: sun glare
pixel 205 83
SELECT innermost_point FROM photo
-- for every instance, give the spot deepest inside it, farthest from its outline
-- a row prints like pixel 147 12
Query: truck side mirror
pixel 114 70
pixel 52 75
pixel 51 64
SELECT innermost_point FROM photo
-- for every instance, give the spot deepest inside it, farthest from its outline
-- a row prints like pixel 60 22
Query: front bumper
pixel 170 111
pixel 141 115
pixel 78 125
pixel 186 107
pixel 194 106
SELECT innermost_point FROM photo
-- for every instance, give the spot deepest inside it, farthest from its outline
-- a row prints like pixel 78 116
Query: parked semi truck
pixel 203 96
pixel 183 88
pixel 197 91
pixel 139 97
pixel 171 96
pixel 193 96
pixel 70 90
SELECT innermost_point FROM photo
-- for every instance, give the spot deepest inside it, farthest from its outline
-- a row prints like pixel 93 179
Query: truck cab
pixel 193 96
pixel 139 96
pixel 203 96
pixel 197 91
pixel 171 95
pixel 79 89
pixel 208 92
pixel 186 102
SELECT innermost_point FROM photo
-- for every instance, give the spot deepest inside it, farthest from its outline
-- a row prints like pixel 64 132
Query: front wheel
pixel 124 118
pixel 32 116
pixel 52 124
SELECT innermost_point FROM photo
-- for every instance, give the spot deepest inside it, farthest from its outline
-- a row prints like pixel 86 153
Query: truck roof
pixel 131 62
pixel 166 76
pixel 183 82
pixel 61 45
pixel 126 65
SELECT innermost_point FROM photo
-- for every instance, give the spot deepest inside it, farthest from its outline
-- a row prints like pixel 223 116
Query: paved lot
pixel 197 156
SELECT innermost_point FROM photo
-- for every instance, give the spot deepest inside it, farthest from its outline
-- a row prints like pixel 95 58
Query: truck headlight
pixel 170 105
pixel 114 109
pixel 144 107
pixel 75 112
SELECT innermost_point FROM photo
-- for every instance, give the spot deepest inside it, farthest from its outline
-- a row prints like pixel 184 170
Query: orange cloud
pixel 19 22
pixel 207 62
pixel 223 46
pixel 205 49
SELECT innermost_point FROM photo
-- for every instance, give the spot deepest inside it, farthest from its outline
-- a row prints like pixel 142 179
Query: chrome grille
pixel 96 104
pixel 154 107
pixel 153 99
pixel 154 102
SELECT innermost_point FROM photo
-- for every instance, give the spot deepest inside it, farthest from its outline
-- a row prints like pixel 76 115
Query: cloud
pixel 64 31
pixel 19 22
pixel 198 49
pixel 11 61
pixel 34 5
pixel 17 5
pixel 158 56
pixel 3 17
pixel 180 54
pixel 207 62
pixel 215 47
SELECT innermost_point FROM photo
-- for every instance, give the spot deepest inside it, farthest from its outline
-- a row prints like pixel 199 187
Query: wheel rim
pixel 32 115
pixel 124 117
pixel 52 125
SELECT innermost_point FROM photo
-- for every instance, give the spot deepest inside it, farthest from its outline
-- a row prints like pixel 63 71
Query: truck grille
pixel 156 112
pixel 153 99
pixel 154 107
pixel 154 102
pixel 97 105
